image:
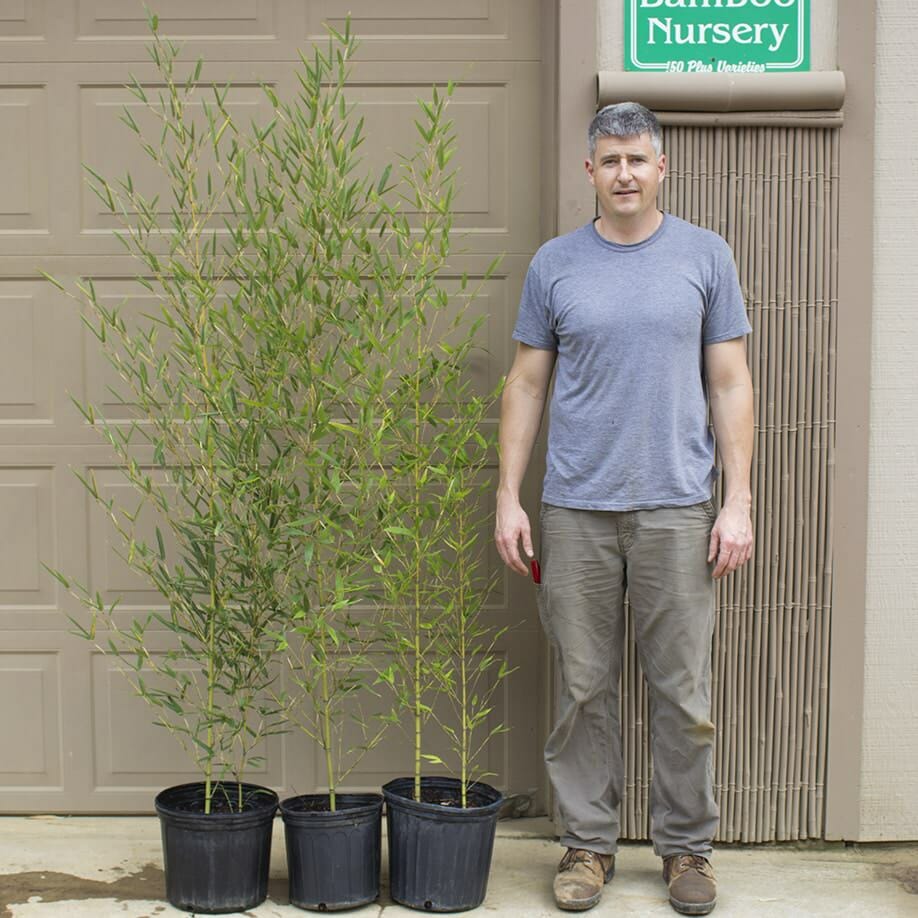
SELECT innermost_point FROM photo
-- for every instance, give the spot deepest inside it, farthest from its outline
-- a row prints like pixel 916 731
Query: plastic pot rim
pixel 394 792
pixel 352 805
pixel 261 812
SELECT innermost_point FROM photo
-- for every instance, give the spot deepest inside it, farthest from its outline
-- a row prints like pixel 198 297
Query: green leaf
pixel 52 280
pixel 384 179
pixel 398 530
pixel 57 576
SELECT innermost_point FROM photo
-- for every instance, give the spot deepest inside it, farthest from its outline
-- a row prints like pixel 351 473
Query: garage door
pixel 74 737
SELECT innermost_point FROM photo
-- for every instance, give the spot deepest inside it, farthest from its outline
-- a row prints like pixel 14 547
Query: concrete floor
pixel 100 866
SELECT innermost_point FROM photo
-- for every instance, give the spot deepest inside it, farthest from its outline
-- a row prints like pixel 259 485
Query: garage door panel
pixel 42 521
pixel 40 142
pixel 28 384
pixel 412 18
pixel 26 507
pixel 42 362
pixel 117 19
pixel 24 164
pixel 22 19
pixel 30 755
pixel 406 29
pixel 48 708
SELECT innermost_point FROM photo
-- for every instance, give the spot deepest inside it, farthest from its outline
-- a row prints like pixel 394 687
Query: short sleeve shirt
pixel 628 417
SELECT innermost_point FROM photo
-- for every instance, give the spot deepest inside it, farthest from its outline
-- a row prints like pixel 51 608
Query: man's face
pixel 626 173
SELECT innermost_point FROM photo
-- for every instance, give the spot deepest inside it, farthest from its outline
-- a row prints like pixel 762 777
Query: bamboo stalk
pixel 782 599
pixel 797 532
pixel 758 282
pixel 814 461
pixel 772 597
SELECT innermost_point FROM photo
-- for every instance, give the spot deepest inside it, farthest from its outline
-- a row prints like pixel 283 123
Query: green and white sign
pixel 717 36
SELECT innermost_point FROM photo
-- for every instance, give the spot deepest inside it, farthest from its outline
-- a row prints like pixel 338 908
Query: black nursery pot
pixel 440 854
pixel 333 857
pixel 217 862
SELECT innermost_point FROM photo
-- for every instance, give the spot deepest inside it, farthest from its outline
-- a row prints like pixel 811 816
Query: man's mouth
pixel 627 191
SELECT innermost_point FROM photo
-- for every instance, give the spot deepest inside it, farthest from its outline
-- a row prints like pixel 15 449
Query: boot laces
pixel 694 862
pixel 574 856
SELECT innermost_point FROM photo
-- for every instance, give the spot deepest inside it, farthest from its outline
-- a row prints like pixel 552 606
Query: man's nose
pixel 624 171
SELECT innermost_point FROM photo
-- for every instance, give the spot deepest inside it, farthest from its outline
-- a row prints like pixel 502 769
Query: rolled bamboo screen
pixel 772 192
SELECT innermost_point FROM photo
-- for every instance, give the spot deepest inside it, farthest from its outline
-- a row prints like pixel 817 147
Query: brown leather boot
pixel 692 887
pixel 580 878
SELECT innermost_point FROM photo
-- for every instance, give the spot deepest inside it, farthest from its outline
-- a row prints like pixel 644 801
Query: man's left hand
pixel 731 539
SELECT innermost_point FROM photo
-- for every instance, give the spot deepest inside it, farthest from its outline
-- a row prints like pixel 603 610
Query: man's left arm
pixel 730 393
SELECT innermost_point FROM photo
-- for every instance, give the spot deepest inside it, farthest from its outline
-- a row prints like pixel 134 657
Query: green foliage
pixel 428 561
pixel 204 448
pixel 472 669
pixel 341 275
pixel 302 428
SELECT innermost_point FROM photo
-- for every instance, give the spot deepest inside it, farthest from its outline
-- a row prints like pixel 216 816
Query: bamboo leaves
pixel 339 288
pixel 296 423
pixel 428 561
pixel 204 401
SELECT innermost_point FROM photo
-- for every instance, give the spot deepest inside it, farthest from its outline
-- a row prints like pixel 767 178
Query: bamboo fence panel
pixel 772 192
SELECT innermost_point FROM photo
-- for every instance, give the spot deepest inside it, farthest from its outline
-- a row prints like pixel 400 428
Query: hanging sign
pixel 717 36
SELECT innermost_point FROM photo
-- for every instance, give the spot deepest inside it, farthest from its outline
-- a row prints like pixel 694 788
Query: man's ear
pixel 661 159
pixel 588 163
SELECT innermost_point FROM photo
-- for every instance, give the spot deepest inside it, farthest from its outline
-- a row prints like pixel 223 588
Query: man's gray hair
pixel 625 119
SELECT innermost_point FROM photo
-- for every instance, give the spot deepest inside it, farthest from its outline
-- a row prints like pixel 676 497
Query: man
pixel 641 316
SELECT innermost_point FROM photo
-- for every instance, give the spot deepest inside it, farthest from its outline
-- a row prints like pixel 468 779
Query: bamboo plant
pixel 341 280
pixel 426 564
pixel 294 390
pixel 473 668
pixel 206 388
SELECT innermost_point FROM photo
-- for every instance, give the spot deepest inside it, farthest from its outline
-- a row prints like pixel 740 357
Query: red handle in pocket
pixel 536 571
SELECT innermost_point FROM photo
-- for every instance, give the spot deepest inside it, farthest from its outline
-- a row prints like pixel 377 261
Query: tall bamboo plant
pixel 341 277
pixel 207 391
pixel 427 564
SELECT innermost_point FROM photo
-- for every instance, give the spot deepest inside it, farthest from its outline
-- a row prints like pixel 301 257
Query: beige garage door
pixel 74 738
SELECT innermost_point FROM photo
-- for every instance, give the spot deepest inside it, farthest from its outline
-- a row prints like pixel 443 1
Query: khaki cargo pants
pixel 589 558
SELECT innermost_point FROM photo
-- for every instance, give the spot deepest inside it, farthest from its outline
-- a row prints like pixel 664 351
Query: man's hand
pixel 731 539
pixel 730 390
pixel 521 408
pixel 512 528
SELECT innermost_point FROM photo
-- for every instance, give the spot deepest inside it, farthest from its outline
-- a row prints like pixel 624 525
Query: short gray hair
pixel 625 119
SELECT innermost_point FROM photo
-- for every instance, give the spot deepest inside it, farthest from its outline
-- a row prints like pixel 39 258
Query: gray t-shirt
pixel 628 425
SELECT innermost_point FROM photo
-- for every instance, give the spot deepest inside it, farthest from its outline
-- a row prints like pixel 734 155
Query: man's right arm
pixel 522 406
